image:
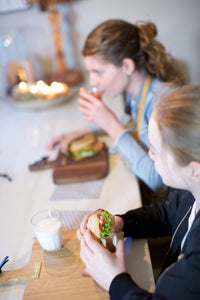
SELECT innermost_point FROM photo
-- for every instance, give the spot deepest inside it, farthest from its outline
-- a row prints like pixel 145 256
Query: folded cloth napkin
pixel 78 190
pixel 72 219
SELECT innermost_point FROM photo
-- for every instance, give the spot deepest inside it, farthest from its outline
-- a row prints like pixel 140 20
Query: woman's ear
pixel 195 171
pixel 129 66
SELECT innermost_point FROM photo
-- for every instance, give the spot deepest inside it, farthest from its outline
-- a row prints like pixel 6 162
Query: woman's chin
pixel 111 94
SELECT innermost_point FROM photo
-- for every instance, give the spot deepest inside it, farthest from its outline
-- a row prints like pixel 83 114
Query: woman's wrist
pixel 115 130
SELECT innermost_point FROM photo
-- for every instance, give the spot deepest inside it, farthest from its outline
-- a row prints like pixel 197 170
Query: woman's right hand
pixel 93 109
pixel 100 263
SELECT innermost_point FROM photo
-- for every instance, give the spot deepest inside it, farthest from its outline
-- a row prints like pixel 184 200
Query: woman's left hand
pixel 100 263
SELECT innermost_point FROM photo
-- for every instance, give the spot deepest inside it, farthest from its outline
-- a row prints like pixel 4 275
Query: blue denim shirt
pixel 135 154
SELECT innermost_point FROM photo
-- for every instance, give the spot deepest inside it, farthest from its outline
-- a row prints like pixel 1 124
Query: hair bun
pixel 148 29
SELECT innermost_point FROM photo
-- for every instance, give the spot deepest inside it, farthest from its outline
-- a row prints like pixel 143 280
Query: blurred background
pixel 42 39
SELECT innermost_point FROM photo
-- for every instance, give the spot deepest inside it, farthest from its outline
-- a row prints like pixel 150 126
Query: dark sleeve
pixel 154 220
pixel 181 279
pixel 180 282
pixel 123 288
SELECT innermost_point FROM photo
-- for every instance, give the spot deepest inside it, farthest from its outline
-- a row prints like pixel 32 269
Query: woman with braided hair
pixel 125 58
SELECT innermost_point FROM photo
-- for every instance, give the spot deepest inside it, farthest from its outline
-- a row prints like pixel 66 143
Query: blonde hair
pixel 178 118
pixel 115 40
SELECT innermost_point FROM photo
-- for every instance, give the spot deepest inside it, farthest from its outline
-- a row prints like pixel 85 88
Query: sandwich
pixel 86 145
pixel 102 225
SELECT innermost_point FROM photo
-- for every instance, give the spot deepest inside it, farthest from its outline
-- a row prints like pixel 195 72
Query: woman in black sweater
pixel 174 136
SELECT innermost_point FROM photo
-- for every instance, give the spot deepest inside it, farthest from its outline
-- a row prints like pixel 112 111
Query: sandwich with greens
pixel 102 225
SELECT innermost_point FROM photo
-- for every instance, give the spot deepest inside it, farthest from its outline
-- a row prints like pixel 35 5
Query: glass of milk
pixel 48 229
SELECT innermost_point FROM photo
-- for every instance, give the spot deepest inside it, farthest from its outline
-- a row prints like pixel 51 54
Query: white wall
pixel 178 24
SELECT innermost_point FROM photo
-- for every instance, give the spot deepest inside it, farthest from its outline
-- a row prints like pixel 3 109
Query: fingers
pixel 79 235
pixel 87 114
pixel 88 241
pixel 91 110
pixel 94 245
pixel 86 98
pixel 120 256
pixel 83 225
pixel 87 95
pixel 86 252
pixel 86 108
pixel 54 143
pixel 119 224
pixel 120 250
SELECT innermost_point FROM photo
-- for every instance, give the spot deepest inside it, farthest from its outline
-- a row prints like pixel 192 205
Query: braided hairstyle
pixel 115 40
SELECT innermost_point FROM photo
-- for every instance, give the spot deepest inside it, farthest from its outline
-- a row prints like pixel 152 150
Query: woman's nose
pixel 92 81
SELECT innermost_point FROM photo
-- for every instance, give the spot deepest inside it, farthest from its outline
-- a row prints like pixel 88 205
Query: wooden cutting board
pixel 90 168
pixel 61 274
pixel 67 170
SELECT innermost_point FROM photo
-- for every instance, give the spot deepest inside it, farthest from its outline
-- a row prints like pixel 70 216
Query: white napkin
pixel 72 219
pixel 78 190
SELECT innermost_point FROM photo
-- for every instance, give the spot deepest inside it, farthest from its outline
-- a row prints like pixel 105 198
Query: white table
pixel 23 137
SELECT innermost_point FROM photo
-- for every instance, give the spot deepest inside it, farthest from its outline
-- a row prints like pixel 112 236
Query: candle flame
pixel 40 89
pixel 33 89
pixel 22 85
pixel 57 86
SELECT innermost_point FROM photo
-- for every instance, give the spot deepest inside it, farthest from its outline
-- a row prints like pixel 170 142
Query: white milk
pixel 49 234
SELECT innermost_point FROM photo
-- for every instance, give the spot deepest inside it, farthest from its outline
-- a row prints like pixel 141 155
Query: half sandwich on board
pixel 86 145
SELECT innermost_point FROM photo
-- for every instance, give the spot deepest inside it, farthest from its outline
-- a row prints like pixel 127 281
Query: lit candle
pixel 41 90
pixel 57 87
pixel 46 89
pixel 22 86
pixel 33 89
pixel 40 84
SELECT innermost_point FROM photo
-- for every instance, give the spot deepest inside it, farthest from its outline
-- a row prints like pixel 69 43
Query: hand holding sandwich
pixel 118 223
pixel 101 264
pixel 102 254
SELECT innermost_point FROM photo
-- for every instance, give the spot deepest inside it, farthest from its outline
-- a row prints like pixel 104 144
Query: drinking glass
pixel 47 227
